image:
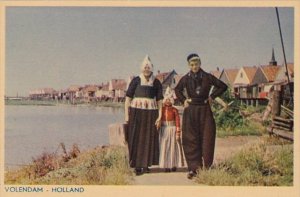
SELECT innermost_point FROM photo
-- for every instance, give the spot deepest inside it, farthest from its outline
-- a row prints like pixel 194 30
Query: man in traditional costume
pixel 169 136
pixel 143 106
pixel 198 124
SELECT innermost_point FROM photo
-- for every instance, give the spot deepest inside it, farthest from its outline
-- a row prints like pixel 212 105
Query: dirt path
pixel 225 147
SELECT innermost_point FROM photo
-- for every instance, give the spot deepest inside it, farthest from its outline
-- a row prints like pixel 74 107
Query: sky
pixel 62 46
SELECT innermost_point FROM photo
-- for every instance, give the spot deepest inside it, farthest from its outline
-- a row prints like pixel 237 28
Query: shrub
pixel 255 165
pixel 236 119
pixel 100 166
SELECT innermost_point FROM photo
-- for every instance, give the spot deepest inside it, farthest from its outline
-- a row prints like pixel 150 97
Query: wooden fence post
pixel 276 105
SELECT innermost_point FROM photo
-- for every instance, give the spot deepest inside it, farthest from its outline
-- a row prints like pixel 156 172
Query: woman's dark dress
pixel 198 124
pixel 143 141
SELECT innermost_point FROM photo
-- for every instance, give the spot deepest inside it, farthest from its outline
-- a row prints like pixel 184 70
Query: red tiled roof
pixel 290 67
pixel 216 73
pixel 270 72
pixel 250 72
pixel 119 84
pixel 231 74
pixel 162 76
pixel 74 88
pixel 90 88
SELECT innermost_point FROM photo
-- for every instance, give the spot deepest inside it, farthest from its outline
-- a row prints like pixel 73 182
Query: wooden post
pixel 276 105
pixel 117 134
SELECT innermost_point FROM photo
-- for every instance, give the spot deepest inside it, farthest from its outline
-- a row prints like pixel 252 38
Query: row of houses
pixel 248 83
pixel 112 90
pixel 256 83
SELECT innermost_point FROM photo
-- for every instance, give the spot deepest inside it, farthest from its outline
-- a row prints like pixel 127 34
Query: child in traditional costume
pixel 169 135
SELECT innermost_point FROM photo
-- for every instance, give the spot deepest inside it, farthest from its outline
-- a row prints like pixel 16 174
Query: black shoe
pixel 191 174
pixel 138 171
pixel 146 170
pixel 167 170
pixel 174 169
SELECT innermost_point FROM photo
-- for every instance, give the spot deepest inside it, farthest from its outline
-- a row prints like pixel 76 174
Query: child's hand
pixel 178 137
pixel 157 123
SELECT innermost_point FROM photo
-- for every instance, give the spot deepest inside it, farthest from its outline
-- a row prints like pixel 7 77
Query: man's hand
pixel 210 100
pixel 186 103
pixel 158 123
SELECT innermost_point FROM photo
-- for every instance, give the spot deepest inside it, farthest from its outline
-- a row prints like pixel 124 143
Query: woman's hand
pixel 126 118
pixel 158 123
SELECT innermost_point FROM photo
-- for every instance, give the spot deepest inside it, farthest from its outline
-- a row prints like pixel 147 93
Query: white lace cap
pixel 169 94
pixel 147 62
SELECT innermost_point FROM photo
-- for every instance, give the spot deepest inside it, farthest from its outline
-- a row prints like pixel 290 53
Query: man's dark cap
pixel 193 56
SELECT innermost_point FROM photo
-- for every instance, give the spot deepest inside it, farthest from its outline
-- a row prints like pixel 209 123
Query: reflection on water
pixel 31 130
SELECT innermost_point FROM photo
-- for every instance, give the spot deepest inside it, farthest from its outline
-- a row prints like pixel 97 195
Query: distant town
pixel 250 84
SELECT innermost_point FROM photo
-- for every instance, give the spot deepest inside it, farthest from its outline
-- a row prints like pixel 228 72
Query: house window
pixel 241 75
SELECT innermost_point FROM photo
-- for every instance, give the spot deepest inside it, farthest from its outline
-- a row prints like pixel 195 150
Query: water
pixel 32 130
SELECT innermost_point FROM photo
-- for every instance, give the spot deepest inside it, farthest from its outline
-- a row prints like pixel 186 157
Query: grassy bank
pixel 245 129
pixel 100 166
pixel 258 165
pixel 31 102
pixel 269 163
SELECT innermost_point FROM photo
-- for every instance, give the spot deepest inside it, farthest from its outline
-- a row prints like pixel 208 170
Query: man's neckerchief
pixel 196 81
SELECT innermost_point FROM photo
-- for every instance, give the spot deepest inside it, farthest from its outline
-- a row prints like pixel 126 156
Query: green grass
pixel 100 166
pixel 252 166
pixel 237 119
pixel 246 129
pixel 30 102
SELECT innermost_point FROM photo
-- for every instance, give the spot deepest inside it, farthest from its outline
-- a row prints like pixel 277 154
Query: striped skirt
pixel 169 149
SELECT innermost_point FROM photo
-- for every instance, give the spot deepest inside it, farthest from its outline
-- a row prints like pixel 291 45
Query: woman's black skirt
pixel 143 141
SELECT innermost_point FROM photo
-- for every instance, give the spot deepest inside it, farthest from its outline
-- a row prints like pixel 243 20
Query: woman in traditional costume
pixel 143 106
pixel 169 135
pixel 198 124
